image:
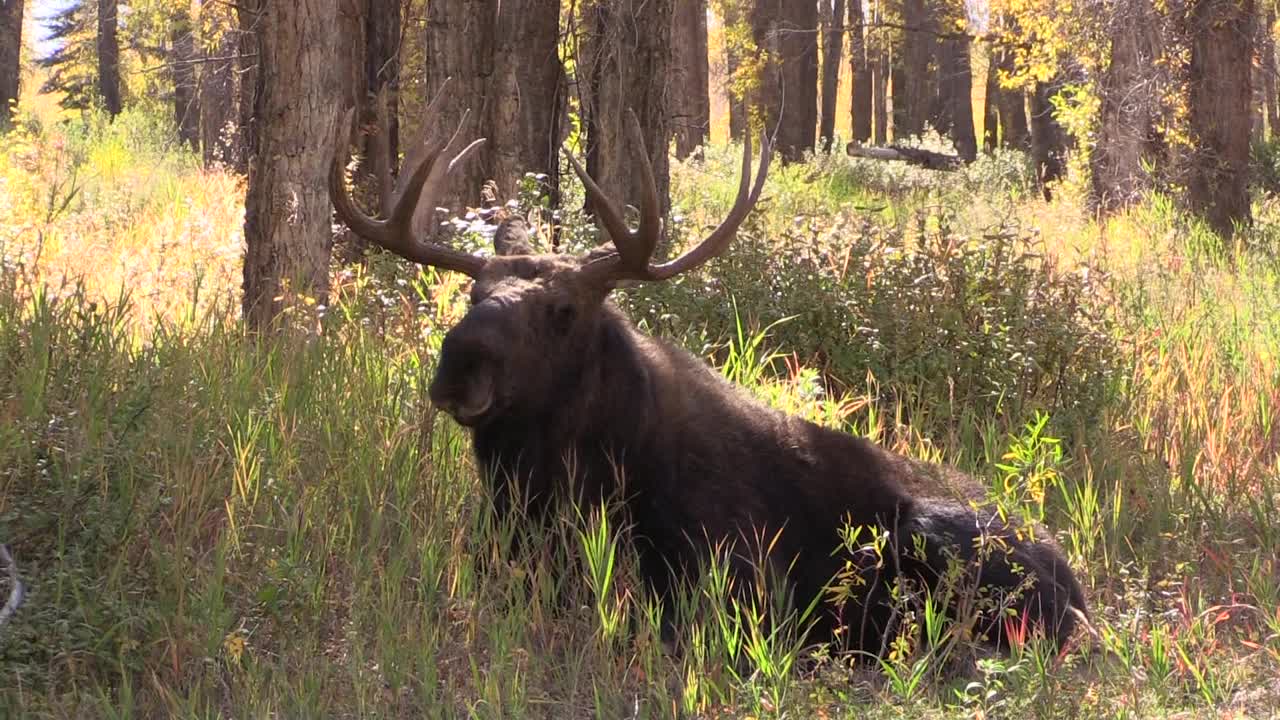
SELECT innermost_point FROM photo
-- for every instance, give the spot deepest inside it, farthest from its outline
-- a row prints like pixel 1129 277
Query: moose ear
pixel 512 237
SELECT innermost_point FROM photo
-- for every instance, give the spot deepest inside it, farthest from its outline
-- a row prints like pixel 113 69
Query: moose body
pixel 567 400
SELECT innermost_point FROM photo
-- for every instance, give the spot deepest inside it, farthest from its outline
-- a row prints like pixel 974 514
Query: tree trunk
pixel 108 57
pixel 249 20
pixel 1128 110
pixel 1268 54
pixel 382 78
pixel 991 104
pixel 10 57
pixel 832 49
pixel 182 56
pixel 1221 34
pixel 737 103
pixel 504 64
pixel 1048 139
pixel 1009 104
pixel 913 99
pixel 690 102
pixel 785 31
pixel 860 74
pixel 288 216
pixel 881 73
pixel 220 136
pixel 624 58
pixel 1257 98
pixel 955 89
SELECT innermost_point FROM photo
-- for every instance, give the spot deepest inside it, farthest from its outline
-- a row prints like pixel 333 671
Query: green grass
pixel 213 526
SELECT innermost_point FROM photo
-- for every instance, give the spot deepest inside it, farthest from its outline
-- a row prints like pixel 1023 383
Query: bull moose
pixel 565 398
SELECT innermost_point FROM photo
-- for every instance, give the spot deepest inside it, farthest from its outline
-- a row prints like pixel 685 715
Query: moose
pixel 565 399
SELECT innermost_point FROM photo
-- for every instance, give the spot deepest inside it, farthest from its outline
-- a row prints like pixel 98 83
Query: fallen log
pixel 915 156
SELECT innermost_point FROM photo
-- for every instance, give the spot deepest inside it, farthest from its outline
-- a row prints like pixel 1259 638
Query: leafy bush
pixel 988 323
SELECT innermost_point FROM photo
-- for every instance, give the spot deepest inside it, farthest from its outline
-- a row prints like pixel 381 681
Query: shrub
pixel 987 324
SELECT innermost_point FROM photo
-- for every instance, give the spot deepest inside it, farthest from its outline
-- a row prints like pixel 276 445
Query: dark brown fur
pixel 549 375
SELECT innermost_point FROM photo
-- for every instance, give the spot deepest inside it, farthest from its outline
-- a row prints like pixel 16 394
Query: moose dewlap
pixel 544 368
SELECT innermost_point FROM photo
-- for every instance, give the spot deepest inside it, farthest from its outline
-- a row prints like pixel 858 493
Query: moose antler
pixel 419 182
pixel 635 247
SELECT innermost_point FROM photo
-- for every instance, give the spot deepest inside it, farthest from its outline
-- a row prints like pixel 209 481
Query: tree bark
pixel 955 89
pixel 832 49
pixel 505 68
pixel 182 56
pixel 860 73
pixel 785 31
pixel 691 97
pixel 10 58
pixel 1048 139
pixel 624 58
pixel 287 211
pixel 108 57
pixel 1129 109
pixel 1219 82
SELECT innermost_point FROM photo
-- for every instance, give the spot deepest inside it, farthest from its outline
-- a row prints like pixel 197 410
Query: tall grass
pixel 214 526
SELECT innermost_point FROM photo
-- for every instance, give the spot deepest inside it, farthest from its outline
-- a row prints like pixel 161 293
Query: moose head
pixel 533 317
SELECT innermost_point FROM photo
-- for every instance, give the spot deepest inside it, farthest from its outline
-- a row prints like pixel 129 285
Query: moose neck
pixel 597 425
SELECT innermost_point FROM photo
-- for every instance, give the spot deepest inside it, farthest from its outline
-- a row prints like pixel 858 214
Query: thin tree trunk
pixel 737 103
pixel 1011 103
pixel 1048 139
pixel 186 106
pixel 832 49
pixel 624 58
pixel 287 210
pixel 249 19
pixel 913 98
pixel 382 80
pixel 108 57
pixel 1257 105
pixel 785 32
pixel 882 72
pixel 220 136
pixel 955 88
pixel 10 57
pixel 1129 109
pixel 991 104
pixel 691 98
pixel 505 68
pixel 1219 82
pixel 860 74
pixel 1268 53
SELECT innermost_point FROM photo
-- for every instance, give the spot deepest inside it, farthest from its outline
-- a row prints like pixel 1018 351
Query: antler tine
pixel 606 212
pixel 719 239
pixel 612 268
pixel 431 188
pixel 395 233
pixel 645 239
pixel 634 247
